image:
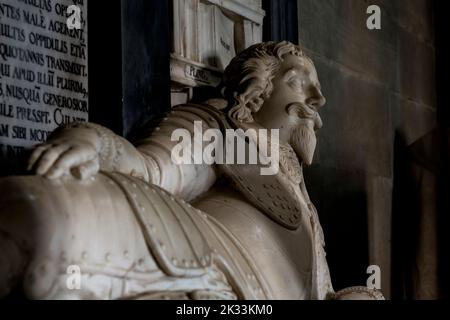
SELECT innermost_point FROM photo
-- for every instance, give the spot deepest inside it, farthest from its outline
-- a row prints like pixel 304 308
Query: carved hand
pixel 82 150
pixel 66 155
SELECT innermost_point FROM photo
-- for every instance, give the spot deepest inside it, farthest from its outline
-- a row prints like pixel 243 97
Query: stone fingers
pixel 37 155
pixel 86 170
pixel 72 158
pixel 48 158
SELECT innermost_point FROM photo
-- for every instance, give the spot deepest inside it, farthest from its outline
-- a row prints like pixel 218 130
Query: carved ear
pixel 255 104
pixel 254 97
pixel 241 113
pixel 248 103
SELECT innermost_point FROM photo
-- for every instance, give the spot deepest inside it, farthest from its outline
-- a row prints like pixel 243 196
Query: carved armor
pixel 287 201
pixel 179 250
pixel 146 227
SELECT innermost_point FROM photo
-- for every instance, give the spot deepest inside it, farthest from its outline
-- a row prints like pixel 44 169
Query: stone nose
pixel 317 100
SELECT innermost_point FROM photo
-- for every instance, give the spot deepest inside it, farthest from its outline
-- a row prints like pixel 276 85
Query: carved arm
pixel 82 149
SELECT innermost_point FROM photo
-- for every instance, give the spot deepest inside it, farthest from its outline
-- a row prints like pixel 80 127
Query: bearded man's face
pixel 293 106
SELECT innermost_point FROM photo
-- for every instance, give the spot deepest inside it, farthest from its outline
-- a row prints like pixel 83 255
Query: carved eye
pixel 295 82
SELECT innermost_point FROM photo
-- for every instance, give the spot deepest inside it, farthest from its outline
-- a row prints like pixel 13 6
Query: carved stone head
pixel 276 86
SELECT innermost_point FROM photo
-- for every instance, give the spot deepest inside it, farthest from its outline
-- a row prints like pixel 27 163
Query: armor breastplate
pixel 271 194
pixel 274 195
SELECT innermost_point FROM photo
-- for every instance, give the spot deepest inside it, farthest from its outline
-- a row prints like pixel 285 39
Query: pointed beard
pixel 304 141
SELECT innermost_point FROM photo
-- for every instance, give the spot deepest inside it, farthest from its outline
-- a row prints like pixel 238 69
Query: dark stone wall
pixel 145 63
pixel 129 77
pixel 380 85
pixel 281 20
pixel 442 26
pixel 105 61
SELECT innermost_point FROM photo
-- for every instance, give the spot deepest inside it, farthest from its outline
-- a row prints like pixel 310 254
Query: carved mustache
pixel 303 111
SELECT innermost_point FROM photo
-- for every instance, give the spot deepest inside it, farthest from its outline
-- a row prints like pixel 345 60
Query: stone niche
pixel 206 35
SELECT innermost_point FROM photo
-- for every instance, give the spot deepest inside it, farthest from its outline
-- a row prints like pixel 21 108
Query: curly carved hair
pixel 247 80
